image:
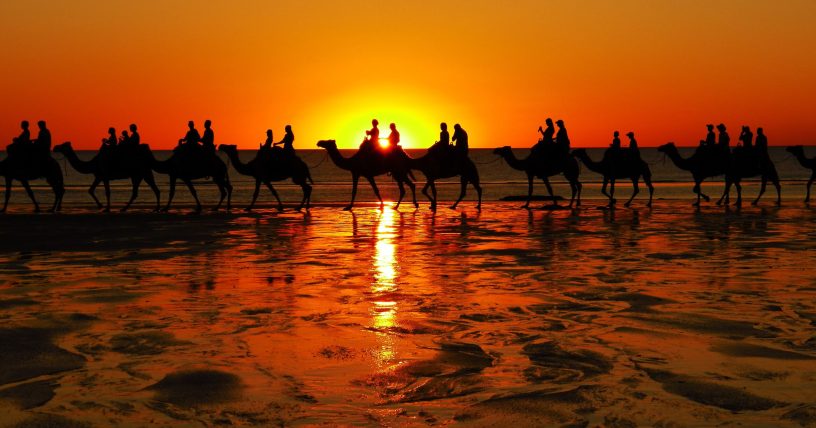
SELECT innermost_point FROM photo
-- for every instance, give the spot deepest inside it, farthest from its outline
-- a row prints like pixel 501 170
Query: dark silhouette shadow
pixel 808 163
pixel 368 163
pixel 748 161
pixel 28 161
pixel 125 161
pixel 543 163
pixel 191 161
pixel 617 164
pixel 706 162
pixel 276 165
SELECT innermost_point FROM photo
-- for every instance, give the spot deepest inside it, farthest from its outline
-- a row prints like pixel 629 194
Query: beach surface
pixel 662 316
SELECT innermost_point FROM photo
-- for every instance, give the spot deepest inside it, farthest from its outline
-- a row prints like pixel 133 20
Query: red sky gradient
pixel 660 68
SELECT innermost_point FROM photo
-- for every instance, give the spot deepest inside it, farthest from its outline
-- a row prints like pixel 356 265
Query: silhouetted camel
pixel 190 163
pixel 613 167
pixel 25 166
pixel 543 167
pixel 808 163
pixel 746 163
pixel 121 163
pixel 369 165
pixel 268 167
pixel 435 166
pixel 704 163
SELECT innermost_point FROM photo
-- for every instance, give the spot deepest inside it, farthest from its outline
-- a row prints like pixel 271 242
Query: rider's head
pixel 393 126
pixel 207 123
pixel 760 131
pixel 375 122
pixel 630 134
pixel 111 131
pixel 559 122
pixel 549 122
pixel 269 133
pixel 721 127
pixel 124 132
pixel 191 124
pixel 132 127
pixel 24 124
pixel 710 127
pixel 443 126
pixel 41 124
pixel 616 133
pixel 457 127
pixel 288 128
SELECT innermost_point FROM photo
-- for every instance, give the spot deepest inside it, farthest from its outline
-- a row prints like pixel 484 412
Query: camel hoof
pixel 248 209
pixel 478 207
pixel 416 205
pixel 649 205
pixel 280 208
pixel 347 208
pixel 453 207
pixel 525 207
pixel 706 198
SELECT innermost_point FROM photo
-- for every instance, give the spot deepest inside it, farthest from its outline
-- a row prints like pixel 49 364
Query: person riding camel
pixel 123 138
pixel 192 138
pixel 711 139
pixel 43 141
pixel 634 152
pixel 372 138
pixel 547 141
pixel 267 144
pixel 443 145
pixel 288 141
pixel 393 138
pixel 562 141
pixel 109 142
pixel 25 136
pixel 746 138
pixel 460 137
pixel 208 139
pixel 134 140
pixel 616 144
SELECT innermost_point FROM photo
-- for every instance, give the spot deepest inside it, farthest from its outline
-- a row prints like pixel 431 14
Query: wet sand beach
pixel 668 316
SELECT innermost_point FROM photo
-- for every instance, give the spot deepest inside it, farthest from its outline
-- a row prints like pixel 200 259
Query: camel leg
pixel 254 195
pixel 696 190
pixel 726 191
pixel 92 192
pixel 8 194
pixel 648 180
pixel 635 191
pixel 738 185
pixel 478 188
pixel 106 184
pixel 547 184
pixel 775 181
pixel 135 182
pixel 59 192
pixel 428 185
pixel 433 192
pixel 603 187
pixel 376 191
pixel 401 187
pixel 462 190
pixel 148 178
pixel 612 192
pixel 193 192
pixel 762 186
pixel 354 179
pixel 30 194
pixel 529 191
pixel 222 191
pixel 228 187
pixel 810 183
pixel 275 194
pixel 171 194
pixel 306 192
pixel 412 186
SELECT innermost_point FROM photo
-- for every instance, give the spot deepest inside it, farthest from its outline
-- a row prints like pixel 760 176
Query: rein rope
pixel 498 158
pixel 326 156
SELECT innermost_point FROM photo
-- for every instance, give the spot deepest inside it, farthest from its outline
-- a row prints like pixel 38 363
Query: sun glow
pixel 386 269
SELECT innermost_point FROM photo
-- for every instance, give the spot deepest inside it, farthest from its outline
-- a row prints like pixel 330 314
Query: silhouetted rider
pixel 288 141
pixel 393 137
pixel 561 138
pixel 723 141
pixel 25 136
pixel 616 144
pixel 43 141
pixel 761 141
pixel 208 140
pixel 711 139
pixel 134 140
pixel 460 137
pixel 443 144
pixel 373 137
pixel 192 137
pixel 746 138
pixel 110 141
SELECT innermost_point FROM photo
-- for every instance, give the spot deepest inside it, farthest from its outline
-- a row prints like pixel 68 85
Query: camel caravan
pixel 195 157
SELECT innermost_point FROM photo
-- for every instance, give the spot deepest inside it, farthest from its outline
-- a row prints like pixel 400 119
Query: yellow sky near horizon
pixel 660 68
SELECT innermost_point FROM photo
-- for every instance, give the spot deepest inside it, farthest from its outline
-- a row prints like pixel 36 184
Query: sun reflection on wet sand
pixel 386 270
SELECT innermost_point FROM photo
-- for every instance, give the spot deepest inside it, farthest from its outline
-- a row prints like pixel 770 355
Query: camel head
pixel 668 147
pixel 63 148
pixel 228 148
pixel 501 151
pixel 327 144
pixel 795 150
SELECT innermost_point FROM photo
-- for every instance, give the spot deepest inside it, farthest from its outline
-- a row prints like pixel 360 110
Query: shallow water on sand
pixel 629 317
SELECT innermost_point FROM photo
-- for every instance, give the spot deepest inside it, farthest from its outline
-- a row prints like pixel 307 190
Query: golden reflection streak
pixel 386 268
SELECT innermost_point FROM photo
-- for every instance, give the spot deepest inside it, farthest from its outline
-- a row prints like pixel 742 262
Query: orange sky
pixel 661 68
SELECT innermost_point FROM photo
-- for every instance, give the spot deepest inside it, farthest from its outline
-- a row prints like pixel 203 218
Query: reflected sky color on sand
pixel 403 317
